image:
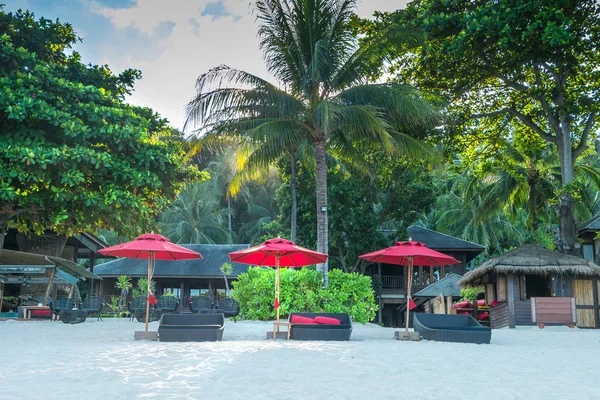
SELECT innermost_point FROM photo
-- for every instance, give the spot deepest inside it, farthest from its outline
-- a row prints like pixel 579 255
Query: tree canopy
pixel 74 156
pixel 506 65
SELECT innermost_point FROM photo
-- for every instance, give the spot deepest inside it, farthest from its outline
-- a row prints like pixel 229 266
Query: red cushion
pixel 327 320
pixel 298 319
pixel 480 303
pixel 495 303
pixel 483 316
pixel 41 313
pixel 463 304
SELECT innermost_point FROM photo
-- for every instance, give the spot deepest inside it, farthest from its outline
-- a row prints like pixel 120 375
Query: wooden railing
pixel 392 281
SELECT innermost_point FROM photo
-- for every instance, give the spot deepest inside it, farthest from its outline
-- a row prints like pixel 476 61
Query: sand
pixel 100 360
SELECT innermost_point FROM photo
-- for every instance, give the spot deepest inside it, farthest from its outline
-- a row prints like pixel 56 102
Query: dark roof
pixel 533 260
pixel 440 241
pixel 447 286
pixel 214 256
pixel 592 224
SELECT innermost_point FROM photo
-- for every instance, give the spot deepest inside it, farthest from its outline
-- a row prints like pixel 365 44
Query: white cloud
pixel 195 44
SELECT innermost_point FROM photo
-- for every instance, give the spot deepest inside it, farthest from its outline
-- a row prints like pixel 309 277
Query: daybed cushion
pixel 327 320
pixel 298 319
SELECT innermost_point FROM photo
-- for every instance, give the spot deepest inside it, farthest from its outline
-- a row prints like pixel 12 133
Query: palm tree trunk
pixel 294 211
pixel 229 238
pixel 3 224
pixel 532 182
pixel 322 221
pixel 567 233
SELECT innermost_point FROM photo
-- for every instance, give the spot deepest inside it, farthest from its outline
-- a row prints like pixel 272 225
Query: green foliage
pixel 168 294
pixel 226 269
pixel 470 294
pixel 142 286
pixel 74 156
pixel 114 303
pixel 123 283
pixel 302 291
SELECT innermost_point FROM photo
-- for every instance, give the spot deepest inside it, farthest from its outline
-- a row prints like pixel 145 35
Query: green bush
pixel 301 291
pixel 470 293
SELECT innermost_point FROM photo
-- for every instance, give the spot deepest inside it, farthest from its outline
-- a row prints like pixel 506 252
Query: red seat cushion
pixel 495 303
pixel 41 313
pixel 480 303
pixel 327 320
pixel 298 319
pixel 483 316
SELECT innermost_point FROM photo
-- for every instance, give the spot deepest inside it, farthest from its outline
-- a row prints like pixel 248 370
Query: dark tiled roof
pixel 590 225
pixel 447 286
pixel 439 241
pixel 214 255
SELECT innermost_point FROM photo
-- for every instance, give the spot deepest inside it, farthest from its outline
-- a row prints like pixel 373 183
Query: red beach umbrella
pixel 153 247
pixel 278 253
pixel 410 254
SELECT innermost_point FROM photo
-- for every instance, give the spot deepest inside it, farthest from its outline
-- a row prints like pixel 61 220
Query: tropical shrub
pixel 302 291
pixel 470 294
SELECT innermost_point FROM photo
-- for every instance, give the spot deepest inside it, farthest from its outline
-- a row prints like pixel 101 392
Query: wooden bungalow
pixel 514 278
pixel 587 233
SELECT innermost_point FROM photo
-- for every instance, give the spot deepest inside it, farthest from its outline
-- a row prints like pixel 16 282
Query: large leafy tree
pixel 73 155
pixel 311 50
pixel 533 62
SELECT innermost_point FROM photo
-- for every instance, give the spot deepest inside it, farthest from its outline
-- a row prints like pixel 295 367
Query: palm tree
pixel 310 48
pixel 196 217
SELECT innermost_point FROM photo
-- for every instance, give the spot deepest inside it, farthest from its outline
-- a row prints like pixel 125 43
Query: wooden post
pixel 510 299
pixel 182 293
pixel 50 284
pixel 380 311
pixel 72 291
pixel 448 304
pixel 277 283
pixel 149 286
pixel 409 287
pixel 596 302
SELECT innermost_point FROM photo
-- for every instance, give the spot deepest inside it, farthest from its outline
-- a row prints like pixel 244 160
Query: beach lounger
pixel 451 328
pixel 315 331
pixel 191 327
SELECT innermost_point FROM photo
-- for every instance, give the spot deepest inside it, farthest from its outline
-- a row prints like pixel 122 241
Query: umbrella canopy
pixel 150 246
pixel 278 253
pixel 409 254
pixel 403 253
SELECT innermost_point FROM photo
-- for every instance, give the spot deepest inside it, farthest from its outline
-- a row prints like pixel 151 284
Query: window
pixel 174 291
pixel 588 251
pixel 501 290
pixel 199 292
pixel 538 286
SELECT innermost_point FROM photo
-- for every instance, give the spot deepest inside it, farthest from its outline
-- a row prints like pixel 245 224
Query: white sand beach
pixel 101 360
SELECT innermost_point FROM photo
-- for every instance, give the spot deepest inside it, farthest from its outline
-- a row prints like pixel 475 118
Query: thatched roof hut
pixel 532 260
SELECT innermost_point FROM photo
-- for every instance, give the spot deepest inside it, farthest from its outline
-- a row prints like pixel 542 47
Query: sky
pixel 171 41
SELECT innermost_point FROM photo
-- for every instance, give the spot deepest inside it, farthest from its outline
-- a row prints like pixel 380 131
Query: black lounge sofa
pixel 191 327
pixel 451 328
pixel 321 331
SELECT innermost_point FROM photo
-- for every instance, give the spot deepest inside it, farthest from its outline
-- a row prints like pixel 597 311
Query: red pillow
pixel 298 319
pixel 483 316
pixel 495 303
pixel 480 303
pixel 327 321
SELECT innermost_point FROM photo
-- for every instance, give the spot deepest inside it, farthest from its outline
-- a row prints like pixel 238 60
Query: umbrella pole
pixel 409 287
pixel 148 294
pixel 277 283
